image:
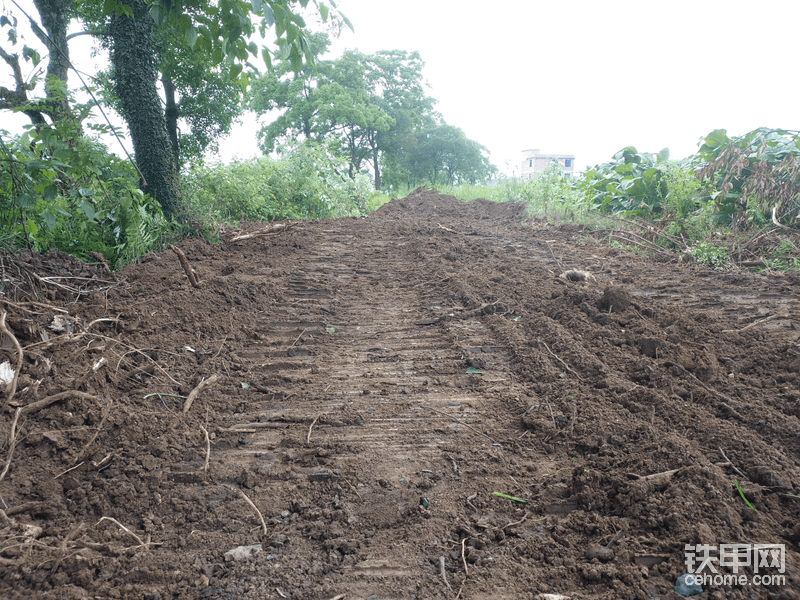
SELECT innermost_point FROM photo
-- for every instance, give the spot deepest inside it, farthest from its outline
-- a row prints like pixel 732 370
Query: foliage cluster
pixel 74 196
pixel 308 182
pixel 752 175
pixel 373 111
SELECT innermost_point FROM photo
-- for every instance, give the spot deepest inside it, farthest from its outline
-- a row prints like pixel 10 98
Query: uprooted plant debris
pixel 409 405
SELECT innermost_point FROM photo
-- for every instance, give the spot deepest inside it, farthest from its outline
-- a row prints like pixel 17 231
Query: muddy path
pixel 375 383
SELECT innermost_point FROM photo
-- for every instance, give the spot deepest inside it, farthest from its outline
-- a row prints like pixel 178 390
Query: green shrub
pixel 74 196
pixel 308 182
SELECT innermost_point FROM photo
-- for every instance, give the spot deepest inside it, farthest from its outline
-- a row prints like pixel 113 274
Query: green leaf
pixel 31 55
pixel 191 36
pixel 257 5
pixel 331 330
pixel 323 11
pixel 109 6
pixel 49 218
pixel 86 192
pixel 269 16
pixel 50 192
pixel 35 164
pixel 88 209
pixel 474 370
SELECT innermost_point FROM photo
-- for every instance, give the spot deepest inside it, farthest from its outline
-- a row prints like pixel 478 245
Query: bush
pixel 74 196
pixel 308 182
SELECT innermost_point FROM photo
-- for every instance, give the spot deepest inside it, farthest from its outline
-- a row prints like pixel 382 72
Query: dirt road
pixel 376 384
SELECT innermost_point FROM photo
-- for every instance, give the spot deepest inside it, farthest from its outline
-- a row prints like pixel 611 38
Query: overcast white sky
pixel 586 77
pixel 589 77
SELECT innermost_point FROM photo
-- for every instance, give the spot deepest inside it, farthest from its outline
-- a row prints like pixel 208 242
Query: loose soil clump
pixel 408 405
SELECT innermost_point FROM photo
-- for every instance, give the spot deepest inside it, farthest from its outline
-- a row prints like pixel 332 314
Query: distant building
pixel 535 161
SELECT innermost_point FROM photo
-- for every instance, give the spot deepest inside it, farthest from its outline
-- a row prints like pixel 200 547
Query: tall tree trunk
pixel 54 16
pixel 133 56
pixel 171 114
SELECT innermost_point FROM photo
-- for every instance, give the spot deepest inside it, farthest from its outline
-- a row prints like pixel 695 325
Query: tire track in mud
pixel 384 389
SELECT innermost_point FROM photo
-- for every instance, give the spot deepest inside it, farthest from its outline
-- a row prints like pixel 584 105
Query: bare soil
pixel 378 381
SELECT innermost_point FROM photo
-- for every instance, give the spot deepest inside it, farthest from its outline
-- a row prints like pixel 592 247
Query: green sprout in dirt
pixel 741 493
pixel 512 498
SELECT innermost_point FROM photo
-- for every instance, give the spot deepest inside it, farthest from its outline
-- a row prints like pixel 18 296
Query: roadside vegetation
pixel 342 137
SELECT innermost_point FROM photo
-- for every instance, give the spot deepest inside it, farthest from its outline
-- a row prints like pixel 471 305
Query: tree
pixel 367 103
pixel 221 30
pixel 293 93
pixel 55 17
pixel 133 55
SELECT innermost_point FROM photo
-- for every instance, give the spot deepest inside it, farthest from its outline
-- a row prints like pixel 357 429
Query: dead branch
pixel 185 264
pixel 463 558
pixel 461 423
pixel 728 460
pixel 276 228
pixel 200 387
pixel 253 506
pixel 12 387
pixel 298 337
pixel 106 410
pixel 39 304
pixel 445 228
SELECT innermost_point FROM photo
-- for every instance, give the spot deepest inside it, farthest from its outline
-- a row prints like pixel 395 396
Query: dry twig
pixel 208 450
pixel 136 537
pixel 298 337
pixel 253 506
pixel 566 366
pixel 200 387
pixel 754 323
pixel 310 427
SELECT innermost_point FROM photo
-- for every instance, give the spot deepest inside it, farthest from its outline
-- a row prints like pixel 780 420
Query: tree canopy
pixel 374 110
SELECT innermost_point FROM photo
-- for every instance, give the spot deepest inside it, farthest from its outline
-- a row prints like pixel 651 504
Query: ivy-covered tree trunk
pixel 133 55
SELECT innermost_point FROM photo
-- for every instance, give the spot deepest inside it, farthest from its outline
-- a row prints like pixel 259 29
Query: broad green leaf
pixel 31 227
pixel 191 36
pixel 269 16
pixel 257 5
pixel 50 192
pixel 86 192
pixel 24 200
pixel 474 370
pixel 244 81
pixel 35 164
pixel 323 11
pixel 88 209
pixel 31 55
pixel 49 218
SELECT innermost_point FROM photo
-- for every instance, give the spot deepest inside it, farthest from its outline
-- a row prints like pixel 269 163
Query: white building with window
pixel 535 161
